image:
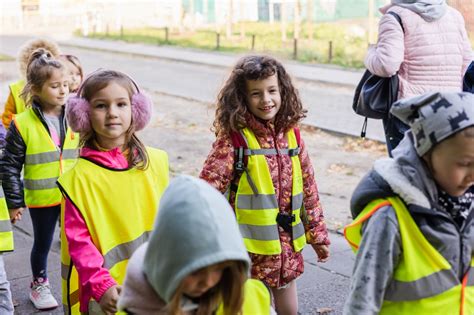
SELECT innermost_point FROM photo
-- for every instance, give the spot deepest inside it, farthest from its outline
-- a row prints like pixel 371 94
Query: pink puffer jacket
pixel 430 56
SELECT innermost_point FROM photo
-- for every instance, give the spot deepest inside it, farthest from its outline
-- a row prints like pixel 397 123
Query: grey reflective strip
pixel 123 251
pixel 257 202
pixel 298 230
pixel 297 201
pixel 2 194
pixel 41 158
pixel 64 271
pixel 470 277
pixel 266 151
pixel 70 154
pixel 259 232
pixel 260 152
pixel 38 184
pixel 425 287
pixel 5 226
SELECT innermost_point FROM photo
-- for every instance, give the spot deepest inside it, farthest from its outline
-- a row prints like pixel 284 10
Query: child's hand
pixel 15 214
pixel 322 251
pixel 108 302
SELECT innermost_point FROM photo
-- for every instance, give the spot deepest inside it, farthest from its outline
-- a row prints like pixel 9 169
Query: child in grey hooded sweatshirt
pixel 195 261
pixel 413 231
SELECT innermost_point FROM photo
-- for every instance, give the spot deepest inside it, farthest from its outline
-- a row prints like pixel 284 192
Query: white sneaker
pixel 41 296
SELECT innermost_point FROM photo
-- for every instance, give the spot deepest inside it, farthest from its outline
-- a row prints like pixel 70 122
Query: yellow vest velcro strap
pixel 259 232
pixel 41 158
pixel 431 285
pixel 296 201
pixel 5 226
pixel 38 184
pixel 257 202
pixel 124 251
pixel 298 230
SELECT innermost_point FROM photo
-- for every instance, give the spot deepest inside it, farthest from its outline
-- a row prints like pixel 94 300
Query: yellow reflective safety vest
pixel 256 204
pixel 16 89
pixel 423 282
pixel 119 208
pixel 44 161
pixel 6 233
pixel 257 299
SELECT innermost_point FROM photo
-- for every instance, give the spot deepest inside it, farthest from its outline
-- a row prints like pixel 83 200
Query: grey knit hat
pixel 435 116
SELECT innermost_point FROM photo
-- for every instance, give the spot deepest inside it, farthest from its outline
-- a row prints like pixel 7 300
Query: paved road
pixel 326 91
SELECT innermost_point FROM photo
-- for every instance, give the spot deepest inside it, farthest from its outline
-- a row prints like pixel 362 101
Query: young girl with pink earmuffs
pixel 111 194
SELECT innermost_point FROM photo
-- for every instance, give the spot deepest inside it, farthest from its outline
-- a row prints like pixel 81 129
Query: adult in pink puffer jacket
pixel 430 53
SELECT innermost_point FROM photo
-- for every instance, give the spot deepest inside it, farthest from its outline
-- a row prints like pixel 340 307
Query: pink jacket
pixel 430 56
pixel 94 278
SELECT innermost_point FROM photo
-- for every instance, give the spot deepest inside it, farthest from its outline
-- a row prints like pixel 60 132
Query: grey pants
pixel 6 304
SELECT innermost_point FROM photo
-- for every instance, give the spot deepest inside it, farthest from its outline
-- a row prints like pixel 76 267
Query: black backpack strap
pixel 240 161
pixel 398 18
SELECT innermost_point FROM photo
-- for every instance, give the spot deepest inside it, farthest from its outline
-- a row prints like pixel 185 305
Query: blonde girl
pixel 40 143
pixel 76 73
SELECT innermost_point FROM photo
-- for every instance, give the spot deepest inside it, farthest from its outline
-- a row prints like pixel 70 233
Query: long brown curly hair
pixel 232 105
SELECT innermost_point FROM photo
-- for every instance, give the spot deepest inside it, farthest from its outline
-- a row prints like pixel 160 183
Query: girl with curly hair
pixel 260 162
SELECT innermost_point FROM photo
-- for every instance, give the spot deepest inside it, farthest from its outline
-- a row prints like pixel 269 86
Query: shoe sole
pixel 43 309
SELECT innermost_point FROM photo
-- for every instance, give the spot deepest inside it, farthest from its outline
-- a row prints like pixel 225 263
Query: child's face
pixel 111 115
pixel 263 97
pixel 452 163
pixel 55 90
pixel 75 76
pixel 202 280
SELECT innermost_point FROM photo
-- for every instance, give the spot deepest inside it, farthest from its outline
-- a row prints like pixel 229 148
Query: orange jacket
pixel 9 111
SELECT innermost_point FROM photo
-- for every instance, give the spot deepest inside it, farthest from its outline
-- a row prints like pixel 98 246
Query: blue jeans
pixel 44 222
pixel 6 304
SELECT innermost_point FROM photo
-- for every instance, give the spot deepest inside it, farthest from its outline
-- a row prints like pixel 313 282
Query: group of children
pixel 230 242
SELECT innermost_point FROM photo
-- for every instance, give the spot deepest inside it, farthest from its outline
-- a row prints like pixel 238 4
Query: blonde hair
pixel 27 49
pixel 40 68
pixel 75 61
pixel 229 290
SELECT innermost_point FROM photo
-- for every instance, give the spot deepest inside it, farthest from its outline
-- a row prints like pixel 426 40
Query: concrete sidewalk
pixel 327 74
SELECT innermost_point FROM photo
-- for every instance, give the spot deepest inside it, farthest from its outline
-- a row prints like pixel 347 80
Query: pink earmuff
pixel 78 109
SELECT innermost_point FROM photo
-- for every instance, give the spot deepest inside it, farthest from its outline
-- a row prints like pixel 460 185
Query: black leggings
pixel 44 222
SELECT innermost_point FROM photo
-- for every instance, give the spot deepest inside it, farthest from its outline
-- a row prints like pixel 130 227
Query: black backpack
pixel 375 95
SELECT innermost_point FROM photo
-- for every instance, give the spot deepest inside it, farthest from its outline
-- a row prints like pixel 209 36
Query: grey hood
pixel 195 228
pixel 405 175
pixel 429 10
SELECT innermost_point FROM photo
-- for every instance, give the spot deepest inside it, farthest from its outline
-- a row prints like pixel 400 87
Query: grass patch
pixel 346 49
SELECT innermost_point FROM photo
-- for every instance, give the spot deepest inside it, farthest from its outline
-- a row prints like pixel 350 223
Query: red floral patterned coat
pixel 274 270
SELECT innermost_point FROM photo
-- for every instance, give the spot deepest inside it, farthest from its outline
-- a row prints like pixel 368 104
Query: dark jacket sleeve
pixel 11 165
